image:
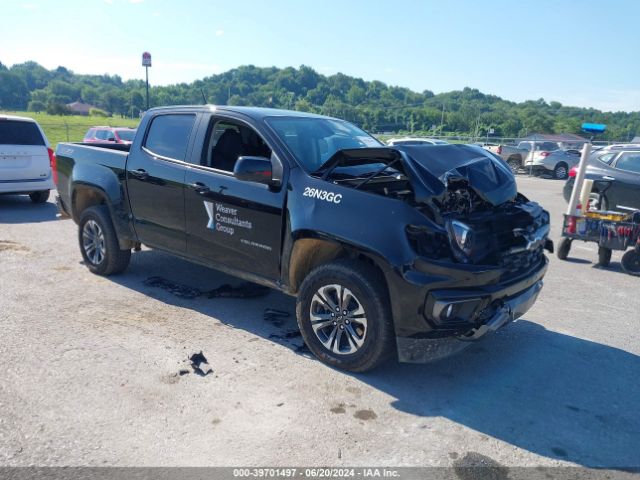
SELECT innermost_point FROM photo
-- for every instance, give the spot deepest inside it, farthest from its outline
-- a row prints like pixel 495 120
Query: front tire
pixel 564 248
pixel 99 244
pixel 604 256
pixel 40 196
pixel 344 315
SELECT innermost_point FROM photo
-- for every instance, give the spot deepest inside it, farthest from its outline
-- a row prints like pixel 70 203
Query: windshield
pixel 126 135
pixel 315 140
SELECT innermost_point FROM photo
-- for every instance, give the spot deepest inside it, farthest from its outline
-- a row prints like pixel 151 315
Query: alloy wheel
pixel 338 319
pixel 93 242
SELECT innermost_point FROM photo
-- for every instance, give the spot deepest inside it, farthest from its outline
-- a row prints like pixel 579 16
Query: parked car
pixel 615 172
pixel 285 199
pixel 511 154
pixel 123 135
pixel 26 161
pixel 556 163
pixel 415 141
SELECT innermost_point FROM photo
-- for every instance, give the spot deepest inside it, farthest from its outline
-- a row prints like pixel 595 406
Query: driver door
pixel 233 223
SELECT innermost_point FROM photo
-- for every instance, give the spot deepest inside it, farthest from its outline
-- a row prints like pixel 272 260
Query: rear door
pixel 155 180
pixel 23 152
pixel 625 189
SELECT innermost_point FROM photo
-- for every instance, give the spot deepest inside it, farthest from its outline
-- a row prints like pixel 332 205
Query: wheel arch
pixel 84 196
pixel 309 250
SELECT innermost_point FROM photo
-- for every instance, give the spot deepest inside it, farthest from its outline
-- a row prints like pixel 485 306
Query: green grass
pixel 71 128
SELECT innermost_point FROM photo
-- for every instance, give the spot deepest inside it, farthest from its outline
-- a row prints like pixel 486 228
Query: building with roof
pixel 79 108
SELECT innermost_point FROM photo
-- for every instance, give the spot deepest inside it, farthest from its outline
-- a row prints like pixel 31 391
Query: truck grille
pixel 520 263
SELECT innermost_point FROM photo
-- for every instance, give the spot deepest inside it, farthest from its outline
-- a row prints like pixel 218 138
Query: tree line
pixel 373 105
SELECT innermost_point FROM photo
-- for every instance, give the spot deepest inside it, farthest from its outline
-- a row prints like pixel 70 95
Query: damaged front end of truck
pixel 479 253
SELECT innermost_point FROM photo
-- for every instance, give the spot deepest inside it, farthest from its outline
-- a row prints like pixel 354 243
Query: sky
pixel 580 53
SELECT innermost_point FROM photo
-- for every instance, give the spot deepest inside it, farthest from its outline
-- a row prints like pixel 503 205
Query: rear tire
pixel 561 172
pixel 515 163
pixel 99 243
pixel 564 248
pixel 604 256
pixel 358 336
pixel 631 262
pixel 40 196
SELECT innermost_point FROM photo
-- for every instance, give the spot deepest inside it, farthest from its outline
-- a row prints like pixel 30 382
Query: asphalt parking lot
pixel 91 370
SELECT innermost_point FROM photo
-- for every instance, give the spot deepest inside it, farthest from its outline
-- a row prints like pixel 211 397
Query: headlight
pixel 462 239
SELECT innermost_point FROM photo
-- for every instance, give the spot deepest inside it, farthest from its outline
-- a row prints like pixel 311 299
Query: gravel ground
pixel 91 370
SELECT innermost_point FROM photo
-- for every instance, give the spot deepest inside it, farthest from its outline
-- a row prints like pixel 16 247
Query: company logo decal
pixel 225 219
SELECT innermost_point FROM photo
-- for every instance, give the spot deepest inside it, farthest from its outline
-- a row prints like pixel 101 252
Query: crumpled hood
pixel 431 169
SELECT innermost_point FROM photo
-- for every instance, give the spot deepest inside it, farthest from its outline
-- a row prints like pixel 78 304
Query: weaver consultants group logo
pixel 225 219
pixel 212 222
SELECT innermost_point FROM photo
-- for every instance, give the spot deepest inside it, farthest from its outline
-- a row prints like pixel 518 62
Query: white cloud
pixel 219 33
pixel 136 1
pixel 29 6
pixel 108 2
pixel 156 14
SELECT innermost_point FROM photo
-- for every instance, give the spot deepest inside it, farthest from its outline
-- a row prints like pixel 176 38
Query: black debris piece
pixel 275 317
pixel 200 365
pixel 286 335
pixel 182 291
pixel 244 290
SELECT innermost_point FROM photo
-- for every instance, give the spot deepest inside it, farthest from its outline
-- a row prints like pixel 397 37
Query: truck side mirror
pixel 254 169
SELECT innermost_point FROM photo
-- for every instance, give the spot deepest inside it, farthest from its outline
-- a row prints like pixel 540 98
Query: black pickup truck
pixel 419 249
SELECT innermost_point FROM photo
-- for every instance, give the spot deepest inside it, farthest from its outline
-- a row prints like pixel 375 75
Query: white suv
pixel 27 164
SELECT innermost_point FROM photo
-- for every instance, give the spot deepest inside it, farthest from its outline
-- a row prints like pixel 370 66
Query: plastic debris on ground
pixel 200 365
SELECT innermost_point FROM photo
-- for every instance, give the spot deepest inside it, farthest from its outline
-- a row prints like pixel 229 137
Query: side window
pixel 169 135
pixel 101 134
pixel 607 158
pixel 230 140
pixel 629 161
pixel 525 146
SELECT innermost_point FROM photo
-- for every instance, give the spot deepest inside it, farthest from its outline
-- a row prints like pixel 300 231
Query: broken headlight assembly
pixel 428 243
pixel 462 240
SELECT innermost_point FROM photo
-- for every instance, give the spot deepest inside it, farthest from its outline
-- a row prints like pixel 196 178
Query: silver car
pixel 556 163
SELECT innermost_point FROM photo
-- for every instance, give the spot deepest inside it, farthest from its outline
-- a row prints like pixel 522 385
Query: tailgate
pixel 23 151
pixel 24 162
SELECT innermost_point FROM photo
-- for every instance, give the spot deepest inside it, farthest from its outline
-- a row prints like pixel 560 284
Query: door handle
pixel 200 188
pixel 607 177
pixel 140 174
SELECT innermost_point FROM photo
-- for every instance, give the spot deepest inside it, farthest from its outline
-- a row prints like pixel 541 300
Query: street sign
pixel 146 59
pixel 491 131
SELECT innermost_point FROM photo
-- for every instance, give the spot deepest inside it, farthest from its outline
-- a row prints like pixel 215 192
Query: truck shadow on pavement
pixel 549 393
pixel 552 394
pixel 20 209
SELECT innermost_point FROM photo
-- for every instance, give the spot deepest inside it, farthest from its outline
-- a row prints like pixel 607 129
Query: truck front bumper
pixel 423 350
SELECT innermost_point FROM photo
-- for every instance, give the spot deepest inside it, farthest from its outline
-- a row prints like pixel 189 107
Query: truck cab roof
pixel 256 113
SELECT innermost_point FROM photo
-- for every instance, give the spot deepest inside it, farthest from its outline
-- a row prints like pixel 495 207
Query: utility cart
pixel 610 230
